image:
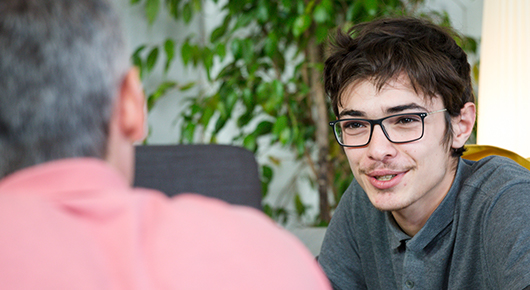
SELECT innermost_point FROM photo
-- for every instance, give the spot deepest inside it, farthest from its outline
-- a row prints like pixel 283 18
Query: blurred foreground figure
pixel 417 215
pixel 70 110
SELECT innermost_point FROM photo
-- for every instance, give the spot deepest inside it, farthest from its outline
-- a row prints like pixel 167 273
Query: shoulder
pixel 195 211
pixel 495 174
pixel 505 190
pixel 240 243
pixel 500 166
pixel 494 186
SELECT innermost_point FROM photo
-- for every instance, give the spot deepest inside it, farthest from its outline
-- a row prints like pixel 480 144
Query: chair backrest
pixel 226 172
pixel 476 152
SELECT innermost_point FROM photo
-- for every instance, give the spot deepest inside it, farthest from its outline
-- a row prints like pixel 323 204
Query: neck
pixel 410 224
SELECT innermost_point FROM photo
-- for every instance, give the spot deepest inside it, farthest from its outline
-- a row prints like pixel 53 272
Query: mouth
pixel 385 177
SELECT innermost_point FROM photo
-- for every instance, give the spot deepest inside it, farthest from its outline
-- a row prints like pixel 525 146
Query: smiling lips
pixel 385 180
pixel 385 177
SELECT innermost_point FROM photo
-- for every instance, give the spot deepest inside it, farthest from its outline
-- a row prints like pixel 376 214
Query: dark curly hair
pixel 384 49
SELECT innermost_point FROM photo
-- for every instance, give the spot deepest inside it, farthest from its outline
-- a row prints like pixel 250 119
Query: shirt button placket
pixel 409 284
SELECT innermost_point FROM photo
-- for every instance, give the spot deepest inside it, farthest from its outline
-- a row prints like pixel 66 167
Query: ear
pixel 463 125
pixel 132 110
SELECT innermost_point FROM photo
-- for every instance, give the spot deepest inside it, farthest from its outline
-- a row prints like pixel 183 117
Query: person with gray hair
pixel 70 110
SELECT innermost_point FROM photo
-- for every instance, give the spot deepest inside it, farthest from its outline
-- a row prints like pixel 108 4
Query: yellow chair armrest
pixel 476 152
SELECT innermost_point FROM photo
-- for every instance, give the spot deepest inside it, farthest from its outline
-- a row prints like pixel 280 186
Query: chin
pixel 387 203
pixel 388 208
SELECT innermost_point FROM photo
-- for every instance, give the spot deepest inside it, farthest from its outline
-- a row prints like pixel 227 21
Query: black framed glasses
pixel 399 128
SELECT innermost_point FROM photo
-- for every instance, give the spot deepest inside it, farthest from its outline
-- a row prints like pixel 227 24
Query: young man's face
pixel 412 177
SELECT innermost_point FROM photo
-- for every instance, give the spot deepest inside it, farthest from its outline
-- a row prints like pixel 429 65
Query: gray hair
pixel 61 65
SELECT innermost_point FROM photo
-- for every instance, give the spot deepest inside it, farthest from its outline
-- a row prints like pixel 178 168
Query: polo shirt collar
pixel 440 219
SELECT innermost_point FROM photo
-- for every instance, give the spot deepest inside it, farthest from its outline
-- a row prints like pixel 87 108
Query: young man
pixel 417 215
pixel 70 110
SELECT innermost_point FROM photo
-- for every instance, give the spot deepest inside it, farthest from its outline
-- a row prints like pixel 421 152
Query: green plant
pixel 265 60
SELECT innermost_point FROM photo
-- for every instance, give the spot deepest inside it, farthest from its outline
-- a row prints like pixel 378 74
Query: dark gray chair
pixel 225 172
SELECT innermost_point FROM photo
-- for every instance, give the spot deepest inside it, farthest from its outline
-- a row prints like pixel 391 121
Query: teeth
pixel 385 177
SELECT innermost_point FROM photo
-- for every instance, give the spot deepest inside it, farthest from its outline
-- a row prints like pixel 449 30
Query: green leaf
pixel 187 86
pixel 151 10
pixel 160 91
pixel 232 100
pixel 197 5
pixel 266 173
pixel 169 48
pixel 206 116
pixel 219 124
pixel 173 6
pixel 300 146
pixel 267 209
pixel 301 24
pixel 263 128
pixel 217 33
pixel 271 44
pixel 243 21
pixel 139 49
pixel 207 57
pixel 274 97
pixel 280 125
pixel 244 119
pixel 301 6
pixel 187 12
pixel 275 161
pixel 263 92
pixel 134 2
pixel 278 88
pixel 354 11
pixel 248 98
pixel 320 14
pixel 299 205
pixel 285 135
pixel 236 48
pixel 371 7
pixel 151 59
pixel 220 50
pixel 250 143
pixel 186 52
pixel 221 108
pixel 287 3
pixel 469 44
pixel 476 70
pixel 137 60
pixel 262 13
pixel 248 50
pixel 189 132
pixel 321 34
pixel 195 108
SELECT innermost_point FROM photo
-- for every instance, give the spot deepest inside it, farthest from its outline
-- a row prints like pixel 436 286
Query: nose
pixel 380 148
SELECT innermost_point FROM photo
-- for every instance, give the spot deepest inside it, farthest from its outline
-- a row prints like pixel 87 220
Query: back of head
pixel 61 65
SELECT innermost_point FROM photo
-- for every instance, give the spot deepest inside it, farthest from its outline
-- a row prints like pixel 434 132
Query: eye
pixel 407 120
pixel 354 125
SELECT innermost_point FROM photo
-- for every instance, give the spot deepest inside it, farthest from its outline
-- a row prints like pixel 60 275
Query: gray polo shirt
pixel 477 238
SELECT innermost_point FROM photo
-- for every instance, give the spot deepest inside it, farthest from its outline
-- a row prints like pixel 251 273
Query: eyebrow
pixel 399 109
pixel 391 110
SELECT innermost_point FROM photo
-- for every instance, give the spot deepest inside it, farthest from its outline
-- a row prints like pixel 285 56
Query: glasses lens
pixel 403 128
pixel 399 129
pixel 352 132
